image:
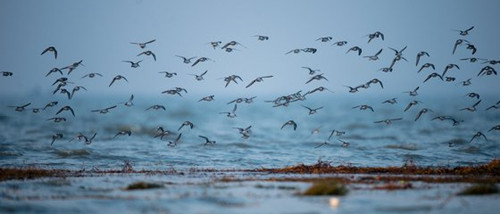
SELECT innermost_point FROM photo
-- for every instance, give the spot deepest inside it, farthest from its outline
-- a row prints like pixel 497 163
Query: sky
pixel 99 33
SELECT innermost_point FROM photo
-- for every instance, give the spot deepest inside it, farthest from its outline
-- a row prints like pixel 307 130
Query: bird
pixel 472 59
pixel 245 132
pixel 129 102
pixel 20 108
pixel 214 44
pixel 317 77
pixel 374 57
pixel 391 101
pixel 495 128
pixel 324 39
pixel 77 88
pixel 50 104
pixel 295 51
pixel 258 79
pixel 55 137
pixel 344 143
pixel 142 45
pixel 472 48
pixel 117 77
pixel 200 77
pixel 466 82
pixel 231 43
pixel 186 123
pixel 457 43
pixel 168 74
pixel 311 71
pixel 104 110
pixel 353 89
pixel 66 108
pixel 321 88
pixel 495 106
pixel 261 37
pixel 374 35
pixel 123 132
pixel 148 53
pixel 57 119
pixel 92 75
pixel 420 55
pixel 88 141
pixel 7 73
pixel 465 32
pixel 433 75
pixel 478 135
pixel 375 81
pixel 233 78
pixel 54 70
pixel 174 143
pixel 35 110
pixel 423 111
pixel 363 107
pixel 471 108
pixel 340 43
pixel 207 98
pixel 290 123
pixel 186 60
pixel 201 59
pixel 156 107
pixel 50 49
pixel 355 48
pixel 250 99
pixel 473 95
pixel 72 66
pixel 414 92
pixel 412 103
pixel 160 132
pixel 448 67
pixel 312 110
pixel 336 133
pixel 487 70
pixel 172 92
pixel 389 121
pixel 426 65
pixel 207 141
pixel 449 79
pixel 231 114
pixel 386 69
pixel 133 64
pixel 310 50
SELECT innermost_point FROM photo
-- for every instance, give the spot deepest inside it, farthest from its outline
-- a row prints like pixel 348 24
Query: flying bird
pixel 374 35
pixel 92 75
pixel 55 137
pixel 311 71
pixel 423 111
pixel 104 110
pixel 50 49
pixel 231 114
pixel 174 143
pixel 156 107
pixel 207 141
pixel 54 70
pixel 420 55
pixel 317 77
pixel 290 123
pixel 20 108
pixel 207 98
pixel 355 49
pixel 168 74
pixel 66 108
pixel 374 57
pixel 363 107
pixel 471 108
pixel 258 79
pixel 143 44
pixel 426 65
pixel 478 135
pixel 133 64
pixel 148 53
pixel 262 38
pixel 465 32
pixel 116 78
pixel 433 75
pixel 312 110
pixel 388 121
pixel 200 77
pixel 123 132
pixel 448 67
pixel 7 73
pixel 324 39
pixel 186 123
pixel 201 59
pixel 186 60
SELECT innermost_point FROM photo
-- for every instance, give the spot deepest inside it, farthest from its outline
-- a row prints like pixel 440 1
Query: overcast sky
pixel 99 33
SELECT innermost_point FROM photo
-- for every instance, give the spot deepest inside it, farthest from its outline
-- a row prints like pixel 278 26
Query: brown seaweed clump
pixel 142 185
pixel 30 173
pixel 321 167
pixel 327 187
pixel 480 189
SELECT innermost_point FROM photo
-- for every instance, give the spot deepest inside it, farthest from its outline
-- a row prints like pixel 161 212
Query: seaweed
pixel 326 187
pixel 142 185
pixel 480 189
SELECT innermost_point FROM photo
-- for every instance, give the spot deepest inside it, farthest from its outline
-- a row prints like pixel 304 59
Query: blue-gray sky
pixel 100 32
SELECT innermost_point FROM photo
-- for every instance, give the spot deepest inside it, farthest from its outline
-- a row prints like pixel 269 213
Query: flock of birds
pixel 63 85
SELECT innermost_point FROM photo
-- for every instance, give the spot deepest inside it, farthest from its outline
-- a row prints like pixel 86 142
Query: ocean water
pixel 25 139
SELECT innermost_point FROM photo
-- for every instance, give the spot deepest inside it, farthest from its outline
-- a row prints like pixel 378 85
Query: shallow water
pixel 25 138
